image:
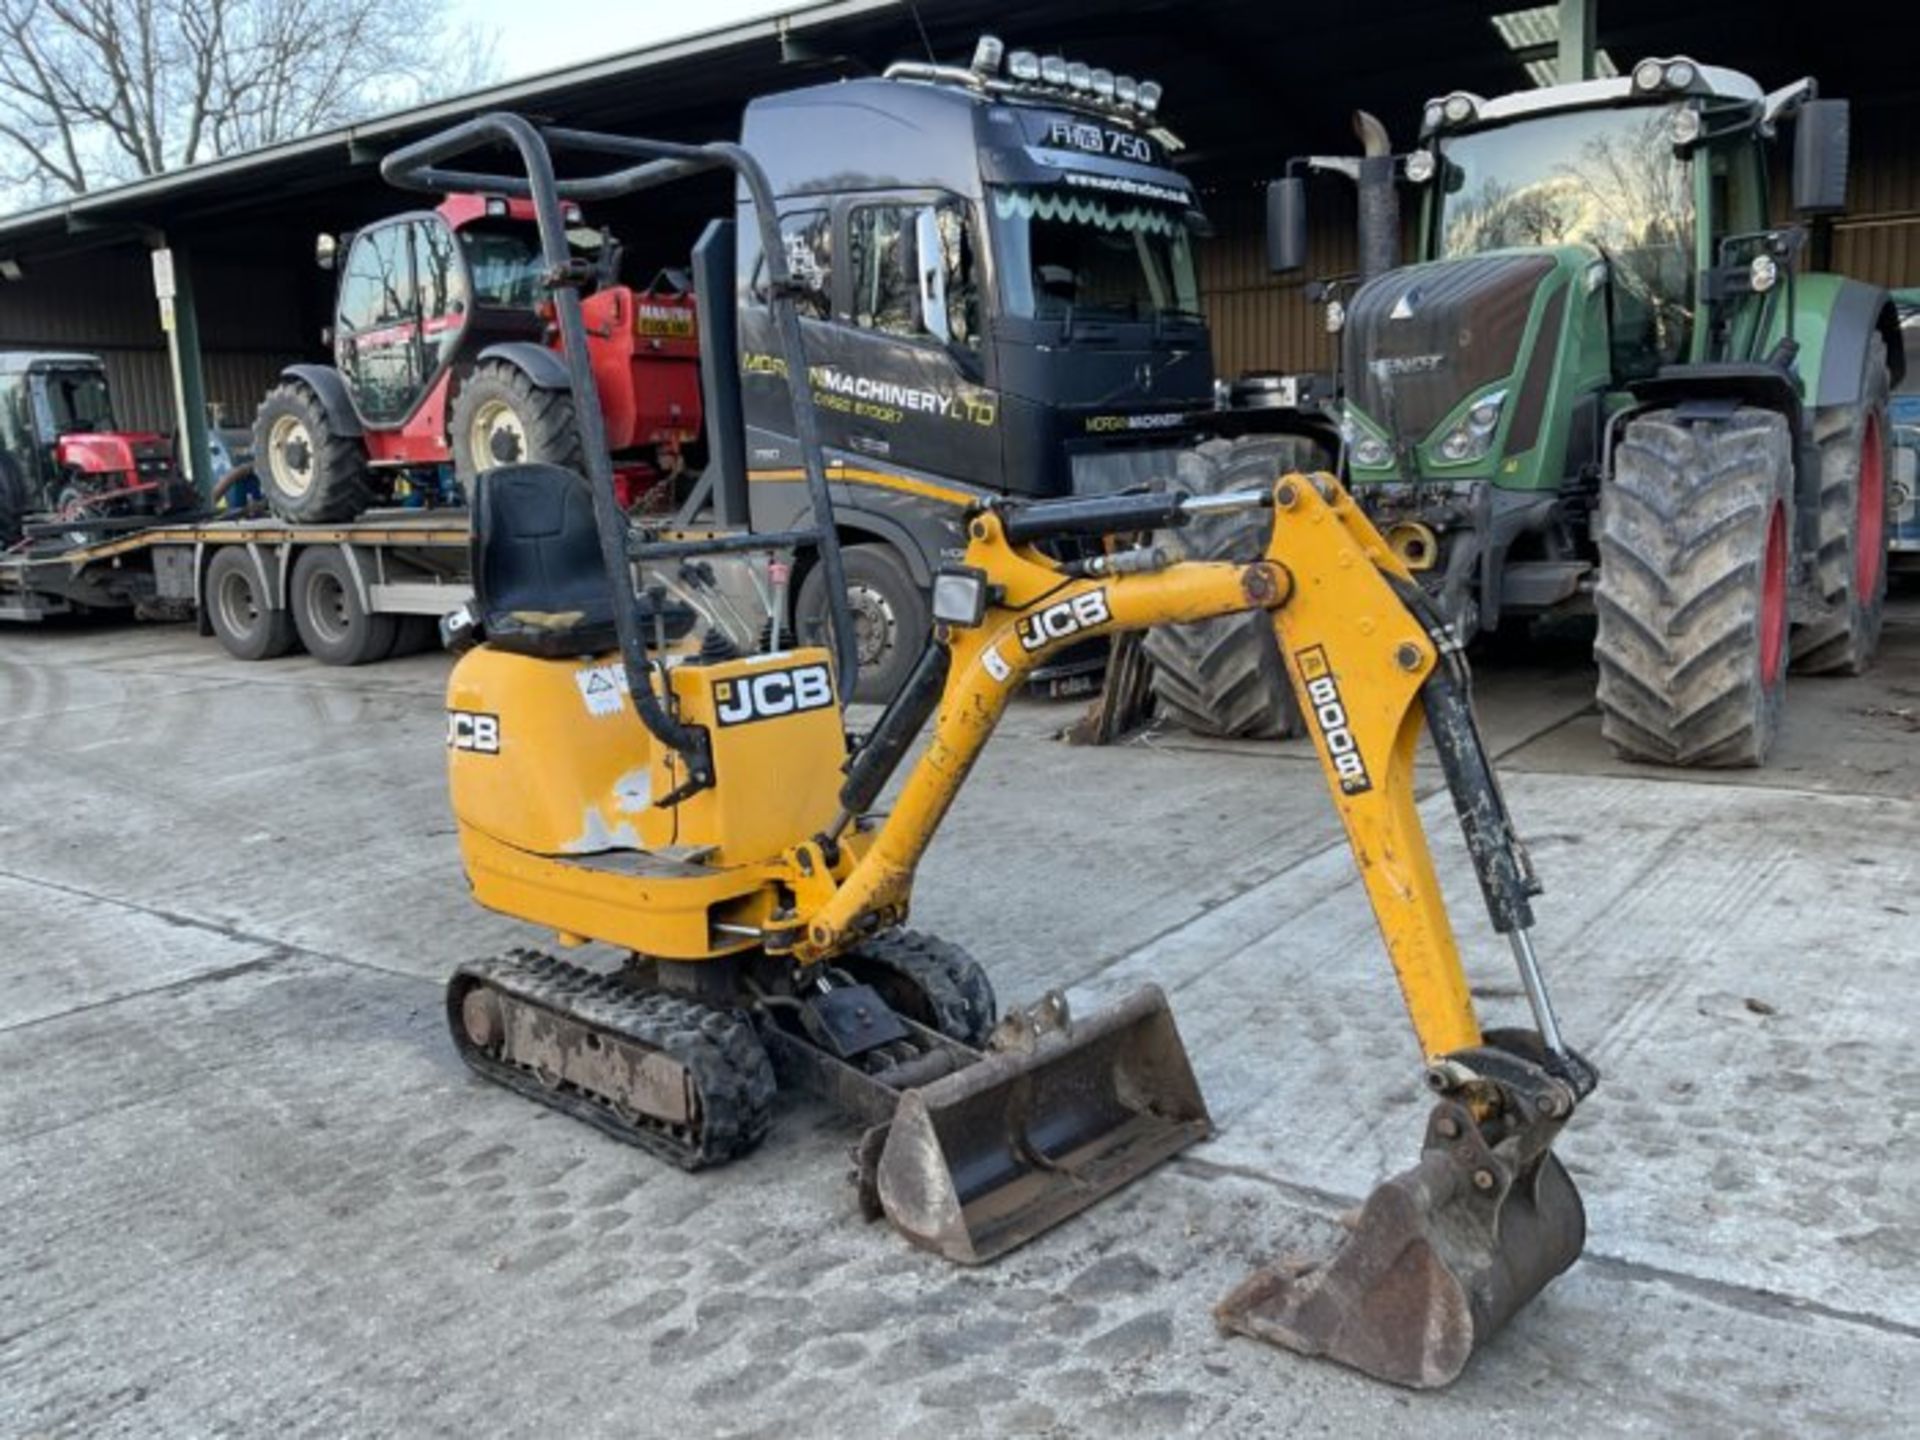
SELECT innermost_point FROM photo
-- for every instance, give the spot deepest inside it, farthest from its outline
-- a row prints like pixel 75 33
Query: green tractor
pixel 1612 385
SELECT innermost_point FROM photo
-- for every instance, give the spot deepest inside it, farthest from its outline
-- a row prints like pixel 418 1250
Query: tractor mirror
pixel 930 261
pixel 1286 224
pixel 1820 143
pixel 326 251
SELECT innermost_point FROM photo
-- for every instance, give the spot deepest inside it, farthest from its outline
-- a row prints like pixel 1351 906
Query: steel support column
pixel 181 321
pixel 1577 39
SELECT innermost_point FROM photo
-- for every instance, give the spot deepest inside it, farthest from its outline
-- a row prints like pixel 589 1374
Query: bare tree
pixel 98 91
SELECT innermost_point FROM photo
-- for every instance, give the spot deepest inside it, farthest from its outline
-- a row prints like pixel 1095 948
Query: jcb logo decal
pixel 1057 622
pixel 1329 713
pixel 774 692
pixel 473 730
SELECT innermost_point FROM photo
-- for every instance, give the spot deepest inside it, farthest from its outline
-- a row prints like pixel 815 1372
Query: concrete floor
pixel 246 1188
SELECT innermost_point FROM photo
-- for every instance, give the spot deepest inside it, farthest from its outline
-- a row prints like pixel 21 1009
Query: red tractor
pixel 447 363
pixel 61 454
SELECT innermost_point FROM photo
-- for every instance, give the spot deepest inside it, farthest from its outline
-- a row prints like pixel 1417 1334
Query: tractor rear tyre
pixel 1850 567
pixel 891 619
pixel 500 417
pixel 334 626
pixel 310 474
pixel 241 612
pixel 1695 538
pixel 1225 677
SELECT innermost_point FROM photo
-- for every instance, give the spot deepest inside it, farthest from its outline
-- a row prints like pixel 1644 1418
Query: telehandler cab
pixel 616 779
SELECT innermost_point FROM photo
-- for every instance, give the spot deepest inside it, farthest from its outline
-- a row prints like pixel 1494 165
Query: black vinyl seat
pixel 538 585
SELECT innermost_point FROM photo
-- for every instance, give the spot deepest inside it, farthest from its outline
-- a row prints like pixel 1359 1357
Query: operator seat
pixel 539 587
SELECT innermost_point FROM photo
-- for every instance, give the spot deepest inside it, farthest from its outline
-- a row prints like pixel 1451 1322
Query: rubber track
pixel 957 991
pixel 731 1072
pixel 1683 534
pixel 1225 677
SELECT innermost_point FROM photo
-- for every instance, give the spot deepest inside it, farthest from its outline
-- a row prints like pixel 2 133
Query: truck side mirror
pixel 930 264
pixel 326 251
pixel 1820 143
pixel 1286 224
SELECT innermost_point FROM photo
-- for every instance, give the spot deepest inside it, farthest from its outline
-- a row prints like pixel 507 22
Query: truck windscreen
pixel 1059 253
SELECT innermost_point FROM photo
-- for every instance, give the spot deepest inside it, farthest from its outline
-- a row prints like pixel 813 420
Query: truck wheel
pixel 1850 568
pixel 309 474
pixel 1695 537
pixel 333 625
pixel 242 616
pixel 500 417
pixel 891 622
pixel 1225 677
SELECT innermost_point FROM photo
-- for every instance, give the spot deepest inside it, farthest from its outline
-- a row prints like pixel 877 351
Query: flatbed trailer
pixel 352 593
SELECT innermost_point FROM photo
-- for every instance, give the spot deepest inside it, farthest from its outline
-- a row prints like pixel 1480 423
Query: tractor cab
pixel 62 453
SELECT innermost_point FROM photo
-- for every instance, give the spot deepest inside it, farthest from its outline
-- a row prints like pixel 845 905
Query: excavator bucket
pixel 1055 1115
pixel 1439 1259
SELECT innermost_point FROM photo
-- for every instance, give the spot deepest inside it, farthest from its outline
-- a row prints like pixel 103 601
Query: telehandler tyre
pixel 1225 677
pixel 1695 538
pixel 500 417
pixel 309 474
pixel 1851 566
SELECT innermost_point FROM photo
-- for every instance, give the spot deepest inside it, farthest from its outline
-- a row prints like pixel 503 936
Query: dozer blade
pixel 1440 1258
pixel 1057 1114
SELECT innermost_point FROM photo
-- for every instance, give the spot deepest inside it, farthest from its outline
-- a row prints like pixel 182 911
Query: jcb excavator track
pixel 702 1086
pixel 928 979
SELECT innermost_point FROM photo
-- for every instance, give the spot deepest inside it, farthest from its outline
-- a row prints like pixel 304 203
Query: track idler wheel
pixel 1446 1253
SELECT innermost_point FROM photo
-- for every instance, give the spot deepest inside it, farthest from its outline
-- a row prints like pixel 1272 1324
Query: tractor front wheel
pixel 1850 568
pixel 310 474
pixel 1695 538
pixel 500 417
pixel 1225 677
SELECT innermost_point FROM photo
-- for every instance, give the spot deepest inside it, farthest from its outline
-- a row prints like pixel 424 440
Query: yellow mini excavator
pixel 700 809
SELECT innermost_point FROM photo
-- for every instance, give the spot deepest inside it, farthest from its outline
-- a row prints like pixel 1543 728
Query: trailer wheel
pixel 1695 538
pixel 309 474
pixel 333 625
pixel 1850 567
pixel 891 621
pixel 500 417
pixel 1225 677
pixel 242 616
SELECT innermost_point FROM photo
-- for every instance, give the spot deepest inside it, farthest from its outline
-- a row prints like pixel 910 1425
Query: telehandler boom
pixel 698 808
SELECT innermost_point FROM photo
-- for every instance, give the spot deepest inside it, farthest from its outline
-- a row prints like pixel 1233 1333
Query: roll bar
pixel 419 166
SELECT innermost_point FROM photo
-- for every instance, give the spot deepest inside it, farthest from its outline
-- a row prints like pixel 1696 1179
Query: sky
pixel 534 37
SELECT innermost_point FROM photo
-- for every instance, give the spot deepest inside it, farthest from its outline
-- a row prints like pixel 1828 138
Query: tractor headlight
pixel 1472 438
pixel 1336 317
pixel 1647 75
pixel 1432 116
pixel 1681 74
pixel 1686 126
pixel 960 596
pixel 1458 109
pixel 1762 273
pixel 1419 166
pixel 1024 65
pixel 1372 452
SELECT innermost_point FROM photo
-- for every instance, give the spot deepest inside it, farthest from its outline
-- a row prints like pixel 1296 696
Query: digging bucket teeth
pixel 1055 1115
pixel 1446 1253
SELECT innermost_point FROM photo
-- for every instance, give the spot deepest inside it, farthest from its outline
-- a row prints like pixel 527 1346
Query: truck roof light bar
pixel 996 70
